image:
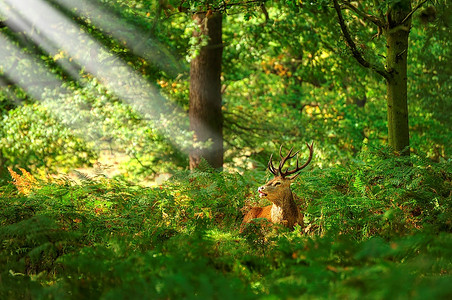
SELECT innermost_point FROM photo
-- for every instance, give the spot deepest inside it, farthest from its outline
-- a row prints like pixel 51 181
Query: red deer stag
pixel 283 209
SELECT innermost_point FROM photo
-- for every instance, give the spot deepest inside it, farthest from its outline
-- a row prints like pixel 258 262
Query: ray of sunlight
pixel 55 34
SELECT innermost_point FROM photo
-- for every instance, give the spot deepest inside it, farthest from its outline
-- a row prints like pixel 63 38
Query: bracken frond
pixel 25 182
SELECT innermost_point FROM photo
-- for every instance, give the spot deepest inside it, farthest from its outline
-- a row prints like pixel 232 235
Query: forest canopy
pixel 102 101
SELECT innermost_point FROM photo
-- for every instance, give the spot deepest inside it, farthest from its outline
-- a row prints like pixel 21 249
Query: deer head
pixel 277 190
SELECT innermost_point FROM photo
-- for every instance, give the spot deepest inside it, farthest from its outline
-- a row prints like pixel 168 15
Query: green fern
pixel 378 218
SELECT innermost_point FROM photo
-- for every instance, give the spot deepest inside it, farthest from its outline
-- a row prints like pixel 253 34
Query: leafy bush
pixel 31 136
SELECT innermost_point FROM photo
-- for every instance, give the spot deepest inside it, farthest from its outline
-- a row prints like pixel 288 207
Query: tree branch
pixel 365 16
pixel 413 11
pixel 225 5
pixel 265 12
pixel 356 54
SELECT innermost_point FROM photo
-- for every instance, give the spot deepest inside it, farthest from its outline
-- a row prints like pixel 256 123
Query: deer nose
pixel 261 188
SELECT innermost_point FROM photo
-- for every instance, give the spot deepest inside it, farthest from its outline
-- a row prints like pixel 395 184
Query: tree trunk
pixel 396 65
pixel 396 30
pixel 206 120
pixel 3 170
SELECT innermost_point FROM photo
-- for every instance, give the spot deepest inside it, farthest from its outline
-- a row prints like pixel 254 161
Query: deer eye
pixel 276 183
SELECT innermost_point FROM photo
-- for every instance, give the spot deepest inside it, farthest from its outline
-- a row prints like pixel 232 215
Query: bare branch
pixel 365 16
pixel 356 54
pixel 224 6
pixel 265 12
pixel 413 11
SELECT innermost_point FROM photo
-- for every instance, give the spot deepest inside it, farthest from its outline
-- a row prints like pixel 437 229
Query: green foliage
pixel 432 88
pixel 30 136
pixel 379 194
pixel 369 232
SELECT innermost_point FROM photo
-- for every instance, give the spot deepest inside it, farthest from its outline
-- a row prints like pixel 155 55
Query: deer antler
pixel 271 167
pixel 289 155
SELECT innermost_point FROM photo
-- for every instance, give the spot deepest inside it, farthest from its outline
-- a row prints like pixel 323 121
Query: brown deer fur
pixel 283 209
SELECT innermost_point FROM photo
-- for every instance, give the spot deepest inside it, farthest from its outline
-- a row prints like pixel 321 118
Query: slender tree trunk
pixel 206 120
pixel 396 64
pixel 396 29
pixel 3 170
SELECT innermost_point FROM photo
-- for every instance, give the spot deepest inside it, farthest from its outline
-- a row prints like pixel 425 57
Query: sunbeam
pixel 18 66
pixel 141 43
pixel 38 83
pixel 57 33
pixel 78 53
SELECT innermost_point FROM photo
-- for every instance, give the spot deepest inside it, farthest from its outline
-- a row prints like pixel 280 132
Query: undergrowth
pixel 379 228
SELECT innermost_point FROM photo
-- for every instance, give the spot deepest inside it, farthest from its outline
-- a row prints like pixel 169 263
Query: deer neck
pixel 285 211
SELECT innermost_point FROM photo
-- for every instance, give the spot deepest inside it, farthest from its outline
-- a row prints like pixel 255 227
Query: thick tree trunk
pixel 206 120
pixel 396 64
